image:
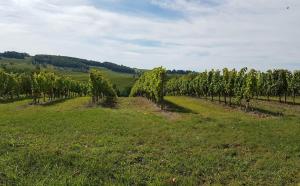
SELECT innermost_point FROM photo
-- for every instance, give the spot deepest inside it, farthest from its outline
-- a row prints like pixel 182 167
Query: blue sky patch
pixel 138 8
pixel 139 42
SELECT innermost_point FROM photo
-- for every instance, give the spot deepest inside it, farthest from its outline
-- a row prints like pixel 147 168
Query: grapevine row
pixel 38 85
pixel 151 85
pixel 241 85
pixel 101 87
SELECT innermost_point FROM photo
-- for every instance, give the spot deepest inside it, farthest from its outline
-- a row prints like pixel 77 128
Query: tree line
pixel 68 62
pixel 151 85
pixel 13 54
pixel 111 66
pixel 180 72
pixel 78 64
pixel 60 61
pixel 241 85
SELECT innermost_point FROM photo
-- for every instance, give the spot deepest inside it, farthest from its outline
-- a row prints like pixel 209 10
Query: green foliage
pixel 217 84
pixel 250 86
pixel 240 85
pixel 280 82
pixel 39 84
pixel 101 87
pixel 47 84
pixel 123 81
pixel 294 84
pixel 151 85
pixel 10 85
pixel 25 83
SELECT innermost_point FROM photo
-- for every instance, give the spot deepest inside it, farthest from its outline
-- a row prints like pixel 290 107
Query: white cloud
pixel 259 33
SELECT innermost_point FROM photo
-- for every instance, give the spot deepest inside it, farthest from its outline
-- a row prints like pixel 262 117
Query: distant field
pixel 21 64
pixel 122 80
pixel 200 142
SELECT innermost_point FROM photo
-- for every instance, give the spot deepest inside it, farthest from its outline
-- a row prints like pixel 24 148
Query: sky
pixel 176 34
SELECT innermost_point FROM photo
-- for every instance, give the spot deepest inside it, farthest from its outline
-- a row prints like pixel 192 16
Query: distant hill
pixel 68 67
pixel 13 54
pixel 69 62
pixel 80 64
pixel 122 76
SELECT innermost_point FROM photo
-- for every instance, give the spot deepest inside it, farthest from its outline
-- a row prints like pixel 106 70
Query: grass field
pixel 22 64
pixel 121 80
pixel 135 143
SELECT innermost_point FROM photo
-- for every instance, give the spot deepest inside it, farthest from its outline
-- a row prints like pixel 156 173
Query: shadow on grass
pixel 105 103
pixel 277 101
pixel 267 112
pixel 52 102
pixel 108 103
pixel 4 101
pixel 172 107
pixel 49 103
pixel 252 109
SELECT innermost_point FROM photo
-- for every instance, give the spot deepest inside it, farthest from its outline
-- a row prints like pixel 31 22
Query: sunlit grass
pixel 135 144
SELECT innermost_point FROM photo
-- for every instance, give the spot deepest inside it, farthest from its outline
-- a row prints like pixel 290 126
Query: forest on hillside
pixel 68 62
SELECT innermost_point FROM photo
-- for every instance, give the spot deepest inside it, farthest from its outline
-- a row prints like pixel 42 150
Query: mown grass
pixel 136 144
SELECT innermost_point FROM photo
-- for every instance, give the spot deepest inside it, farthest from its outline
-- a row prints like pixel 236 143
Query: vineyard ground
pixel 199 142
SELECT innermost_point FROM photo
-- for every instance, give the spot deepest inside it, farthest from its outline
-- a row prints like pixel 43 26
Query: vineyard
pixel 55 130
pixel 229 86
pixel 100 87
pixel 241 86
pixel 150 92
pixel 50 87
pixel 151 85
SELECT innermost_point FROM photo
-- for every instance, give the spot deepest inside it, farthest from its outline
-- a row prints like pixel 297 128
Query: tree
pixel 13 54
